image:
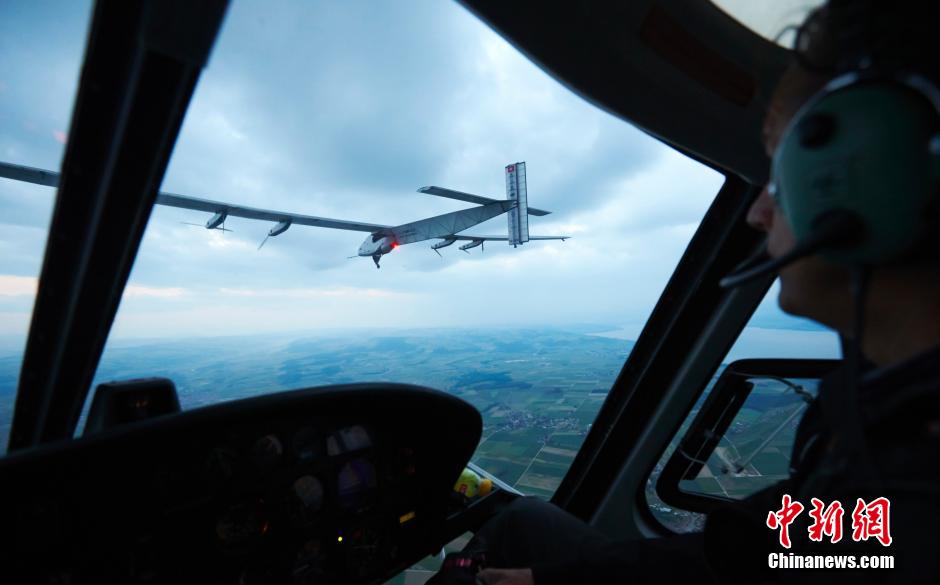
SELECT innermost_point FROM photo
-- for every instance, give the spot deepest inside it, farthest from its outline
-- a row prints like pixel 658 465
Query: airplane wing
pixel 51 179
pixel 461 196
pixel 185 202
pixel 443 226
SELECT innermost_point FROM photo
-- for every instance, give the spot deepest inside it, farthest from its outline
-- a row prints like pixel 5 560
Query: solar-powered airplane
pixel 382 239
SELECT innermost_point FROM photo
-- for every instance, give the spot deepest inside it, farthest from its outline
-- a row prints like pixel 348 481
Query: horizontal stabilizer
pixel 505 238
pixel 29 174
pixel 461 196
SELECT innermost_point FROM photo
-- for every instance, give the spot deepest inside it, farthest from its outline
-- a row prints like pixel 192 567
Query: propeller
pixel 438 252
pixel 277 230
pixel 222 228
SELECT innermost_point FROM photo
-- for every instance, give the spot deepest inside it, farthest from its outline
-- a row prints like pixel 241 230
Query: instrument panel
pixel 325 485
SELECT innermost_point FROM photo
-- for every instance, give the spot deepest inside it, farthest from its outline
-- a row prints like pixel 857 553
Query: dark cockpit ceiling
pixel 682 70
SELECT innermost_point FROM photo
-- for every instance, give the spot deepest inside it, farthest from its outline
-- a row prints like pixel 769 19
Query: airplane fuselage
pixel 376 247
pixel 371 247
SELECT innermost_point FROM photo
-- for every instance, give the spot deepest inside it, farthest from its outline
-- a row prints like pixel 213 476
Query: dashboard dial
pixel 306 498
pixel 355 483
pixel 266 452
pixel 307 445
pixel 348 439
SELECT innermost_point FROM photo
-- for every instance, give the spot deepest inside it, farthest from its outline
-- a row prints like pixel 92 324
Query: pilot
pixel 875 430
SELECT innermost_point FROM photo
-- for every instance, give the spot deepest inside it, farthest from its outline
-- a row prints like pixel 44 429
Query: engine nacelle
pixel 443 244
pixel 216 220
pixel 472 244
pixel 280 228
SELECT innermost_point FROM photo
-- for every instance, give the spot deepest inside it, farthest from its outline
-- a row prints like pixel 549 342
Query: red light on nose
pixel 394 245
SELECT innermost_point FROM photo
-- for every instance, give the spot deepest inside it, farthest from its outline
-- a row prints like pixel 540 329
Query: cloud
pixel 313 293
pixel 13 324
pixel 17 286
pixel 40 56
pixel 137 291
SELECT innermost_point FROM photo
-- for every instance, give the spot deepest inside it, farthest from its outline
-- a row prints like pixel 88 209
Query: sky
pixel 343 110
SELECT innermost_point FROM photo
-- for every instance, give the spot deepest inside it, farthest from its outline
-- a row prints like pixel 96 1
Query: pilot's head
pixel 813 286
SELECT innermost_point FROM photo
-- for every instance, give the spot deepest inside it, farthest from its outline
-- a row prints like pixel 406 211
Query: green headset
pixel 867 148
pixel 857 173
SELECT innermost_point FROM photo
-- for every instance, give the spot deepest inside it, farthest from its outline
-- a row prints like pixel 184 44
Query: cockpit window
pixel 312 128
pixel 41 50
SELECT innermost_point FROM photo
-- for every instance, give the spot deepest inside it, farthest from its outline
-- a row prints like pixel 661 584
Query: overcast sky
pixel 344 109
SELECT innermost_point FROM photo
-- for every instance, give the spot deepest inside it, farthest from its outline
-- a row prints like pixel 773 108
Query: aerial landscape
pixel 537 389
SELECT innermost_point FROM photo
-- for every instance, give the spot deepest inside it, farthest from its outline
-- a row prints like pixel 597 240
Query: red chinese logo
pixel 782 518
pixel 826 521
pixel 872 521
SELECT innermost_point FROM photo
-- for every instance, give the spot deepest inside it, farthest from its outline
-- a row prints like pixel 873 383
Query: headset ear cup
pixel 865 149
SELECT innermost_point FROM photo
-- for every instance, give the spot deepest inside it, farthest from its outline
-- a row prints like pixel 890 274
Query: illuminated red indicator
pixel 511 168
pixel 394 245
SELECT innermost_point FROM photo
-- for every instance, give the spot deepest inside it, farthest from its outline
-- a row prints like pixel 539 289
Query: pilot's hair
pixel 844 35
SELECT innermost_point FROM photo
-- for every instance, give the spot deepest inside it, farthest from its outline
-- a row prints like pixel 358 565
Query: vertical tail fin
pixel 518 215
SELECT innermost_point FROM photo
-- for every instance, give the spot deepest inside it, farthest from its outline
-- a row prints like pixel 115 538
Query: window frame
pixel 713 419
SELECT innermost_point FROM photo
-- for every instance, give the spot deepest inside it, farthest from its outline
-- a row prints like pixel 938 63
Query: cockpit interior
pixel 354 483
